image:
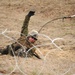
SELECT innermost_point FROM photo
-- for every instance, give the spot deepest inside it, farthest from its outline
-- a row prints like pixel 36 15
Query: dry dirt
pixel 55 61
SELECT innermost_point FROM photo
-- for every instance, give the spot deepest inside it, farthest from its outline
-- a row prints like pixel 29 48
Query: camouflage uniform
pixel 22 40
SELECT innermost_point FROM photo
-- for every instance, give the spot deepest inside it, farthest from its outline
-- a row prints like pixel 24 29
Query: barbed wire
pixel 65 17
pixel 43 57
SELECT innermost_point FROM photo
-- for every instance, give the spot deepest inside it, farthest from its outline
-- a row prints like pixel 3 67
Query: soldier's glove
pixel 31 13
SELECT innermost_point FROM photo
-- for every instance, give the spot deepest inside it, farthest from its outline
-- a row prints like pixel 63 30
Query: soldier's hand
pixel 31 13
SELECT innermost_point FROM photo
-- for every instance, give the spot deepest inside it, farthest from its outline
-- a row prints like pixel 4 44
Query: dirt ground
pixel 54 61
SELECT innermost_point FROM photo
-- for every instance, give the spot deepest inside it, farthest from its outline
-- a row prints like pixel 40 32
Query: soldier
pixel 25 42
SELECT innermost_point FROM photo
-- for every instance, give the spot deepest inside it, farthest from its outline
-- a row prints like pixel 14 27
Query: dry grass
pixel 12 14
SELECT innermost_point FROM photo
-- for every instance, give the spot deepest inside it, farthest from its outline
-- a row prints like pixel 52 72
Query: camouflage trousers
pixel 22 52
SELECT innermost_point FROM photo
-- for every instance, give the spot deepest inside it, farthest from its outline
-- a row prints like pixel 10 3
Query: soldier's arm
pixel 36 55
pixel 33 52
pixel 24 30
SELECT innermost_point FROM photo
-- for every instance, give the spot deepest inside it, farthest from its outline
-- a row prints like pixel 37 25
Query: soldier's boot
pixel 3 51
pixel 6 51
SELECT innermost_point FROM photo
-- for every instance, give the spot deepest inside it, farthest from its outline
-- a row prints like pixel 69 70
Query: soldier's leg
pixel 13 48
pixel 10 49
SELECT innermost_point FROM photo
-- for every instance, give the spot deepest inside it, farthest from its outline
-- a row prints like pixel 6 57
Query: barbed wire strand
pixel 3 33
pixel 65 17
pixel 35 47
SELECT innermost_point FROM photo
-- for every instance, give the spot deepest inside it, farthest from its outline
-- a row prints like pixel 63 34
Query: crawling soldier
pixel 25 42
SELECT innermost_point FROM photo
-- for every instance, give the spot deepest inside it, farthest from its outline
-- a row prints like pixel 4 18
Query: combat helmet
pixel 34 34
